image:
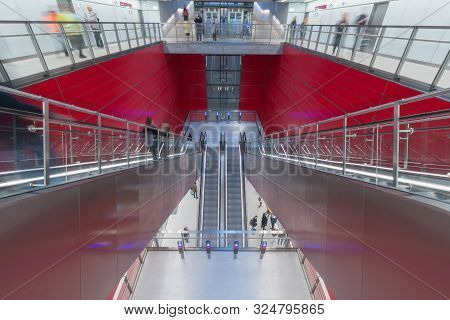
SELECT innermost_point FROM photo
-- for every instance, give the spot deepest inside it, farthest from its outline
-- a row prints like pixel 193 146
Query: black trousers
pixel 98 38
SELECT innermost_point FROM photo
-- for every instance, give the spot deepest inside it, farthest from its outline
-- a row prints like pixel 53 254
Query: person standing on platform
pixel 199 27
pixel 254 223
pixel 260 202
pixel 340 27
pixel 92 17
pixel 273 221
pixel 292 28
pixel 264 221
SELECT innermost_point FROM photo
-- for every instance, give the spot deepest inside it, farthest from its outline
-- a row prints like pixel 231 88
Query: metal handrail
pixel 352 159
pixel 126 35
pixel 49 119
pixel 400 102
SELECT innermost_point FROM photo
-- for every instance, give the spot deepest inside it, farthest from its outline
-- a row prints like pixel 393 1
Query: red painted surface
pixel 301 88
pixel 145 83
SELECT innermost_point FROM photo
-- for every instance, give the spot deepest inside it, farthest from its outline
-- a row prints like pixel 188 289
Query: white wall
pixel 400 12
pixel 296 10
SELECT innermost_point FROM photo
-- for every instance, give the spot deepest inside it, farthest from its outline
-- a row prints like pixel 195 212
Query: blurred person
pixel 214 30
pixel 91 16
pixel 246 29
pixel 185 13
pixel 199 27
pixel 74 31
pixel 273 221
pixel 264 220
pixel 340 27
pixel 53 27
pixel 260 202
pixel 254 223
pixel 152 137
pixel 303 27
pixel 186 29
pixel 292 27
pixel 194 190
pixel 186 234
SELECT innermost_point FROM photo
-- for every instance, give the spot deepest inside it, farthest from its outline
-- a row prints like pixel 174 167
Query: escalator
pixel 211 190
pixel 234 192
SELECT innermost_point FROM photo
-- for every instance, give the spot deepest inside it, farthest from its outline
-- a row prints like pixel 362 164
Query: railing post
pixel 441 71
pixel 270 36
pixel 4 74
pixel 377 47
pixel 128 35
pixel 146 144
pixel 318 38
pixel 37 47
pixel 46 140
pixel 328 40
pixel 405 52
pixel 149 33
pixel 299 143
pixel 105 41
pixel 136 33
pixel 317 145
pixel 128 144
pixel 70 144
pixel 355 45
pixel 344 149
pixel 117 36
pixel 154 31
pixel 159 32
pixel 99 143
pixel 396 144
pixel 112 145
pixel 310 35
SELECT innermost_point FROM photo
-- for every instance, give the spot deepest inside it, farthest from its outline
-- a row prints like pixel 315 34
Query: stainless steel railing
pixel 410 153
pixel 180 32
pixel 48 144
pixel 45 48
pixel 409 53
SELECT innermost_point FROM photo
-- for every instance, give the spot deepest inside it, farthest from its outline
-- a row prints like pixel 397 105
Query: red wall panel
pixel 145 83
pixel 300 88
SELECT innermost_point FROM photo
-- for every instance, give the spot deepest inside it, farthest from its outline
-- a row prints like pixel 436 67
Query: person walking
pixel 254 223
pixel 152 137
pixel 340 26
pixel 73 28
pixel 264 221
pixel 273 221
pixel 194 190
pixel 303 28
pixel 214 30
pixel 186 234
pixel 292 28
pixel 199 27
pixel 55 31
pixel 260 202
pixel 185 14
pixel 91 16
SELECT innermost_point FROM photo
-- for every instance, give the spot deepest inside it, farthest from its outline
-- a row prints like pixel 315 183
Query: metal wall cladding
pixel 75 241
pixel 367 242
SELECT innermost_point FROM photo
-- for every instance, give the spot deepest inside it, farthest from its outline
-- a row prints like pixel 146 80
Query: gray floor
pixel 166 276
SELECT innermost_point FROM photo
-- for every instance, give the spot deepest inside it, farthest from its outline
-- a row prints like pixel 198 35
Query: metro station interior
pixel 224 150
